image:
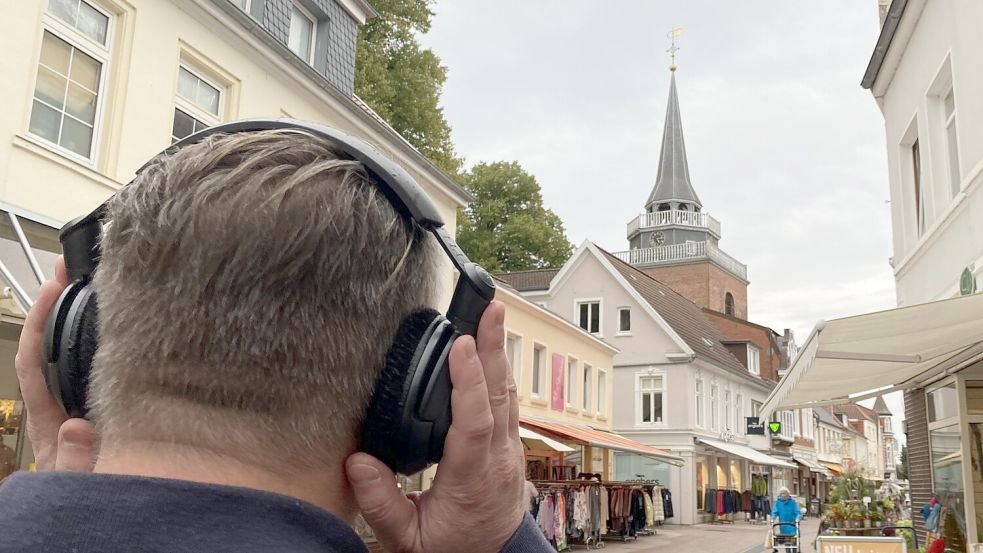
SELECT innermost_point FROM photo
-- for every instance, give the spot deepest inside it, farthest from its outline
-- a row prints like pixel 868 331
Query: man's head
pixel 250 285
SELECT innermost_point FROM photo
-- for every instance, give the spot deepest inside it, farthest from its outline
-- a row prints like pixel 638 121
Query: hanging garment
pixel 595 509
pixel 649 510
pixel 746 501
pixel 605 514
pixel 560 520
pixel 720 502
pixel 667 503
pixel 658 504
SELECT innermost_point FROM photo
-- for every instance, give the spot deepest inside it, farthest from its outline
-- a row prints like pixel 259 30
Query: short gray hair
pixel 249 288
pixel 784 490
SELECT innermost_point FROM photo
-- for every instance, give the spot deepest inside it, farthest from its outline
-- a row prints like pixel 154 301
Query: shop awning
pixel 856 358
pixel 584 435
pixel 812 466
pixel 834 468
pixel 534 440
pixel 746 452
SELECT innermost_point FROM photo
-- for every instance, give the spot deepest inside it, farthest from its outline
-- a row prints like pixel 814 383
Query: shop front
pixel 732 469
pixel 933 352
pixel 28 249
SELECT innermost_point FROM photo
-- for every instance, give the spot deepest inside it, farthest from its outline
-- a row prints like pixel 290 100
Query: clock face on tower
pixel 657 239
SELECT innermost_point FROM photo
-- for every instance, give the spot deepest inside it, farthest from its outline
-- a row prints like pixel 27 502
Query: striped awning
pixel 585 435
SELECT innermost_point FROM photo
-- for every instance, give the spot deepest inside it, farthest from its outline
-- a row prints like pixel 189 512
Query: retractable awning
pixel 584 435
pixel 856 358
pixel 835 469
pixel 534 440
pixel 814 467
pixel 746 452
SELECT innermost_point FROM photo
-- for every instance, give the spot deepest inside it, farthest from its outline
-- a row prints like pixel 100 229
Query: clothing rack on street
pixel 570 511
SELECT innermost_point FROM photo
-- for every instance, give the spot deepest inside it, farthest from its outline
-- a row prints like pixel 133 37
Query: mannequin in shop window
pixel 249 288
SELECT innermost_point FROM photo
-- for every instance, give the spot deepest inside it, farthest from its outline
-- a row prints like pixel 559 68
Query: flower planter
pixel 866 523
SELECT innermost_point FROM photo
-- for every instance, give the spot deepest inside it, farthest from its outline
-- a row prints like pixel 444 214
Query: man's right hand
pixel 60 442
pixel 476 502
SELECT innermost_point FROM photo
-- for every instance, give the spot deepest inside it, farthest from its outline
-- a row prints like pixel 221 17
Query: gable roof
pixel 685 318
pixel 527 281
pixel 856 412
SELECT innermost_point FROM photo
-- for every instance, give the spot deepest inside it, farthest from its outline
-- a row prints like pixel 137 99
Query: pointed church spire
pixel 672 185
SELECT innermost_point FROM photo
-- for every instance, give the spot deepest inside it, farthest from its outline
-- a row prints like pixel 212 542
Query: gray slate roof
pixel 685 318
pixel 672 181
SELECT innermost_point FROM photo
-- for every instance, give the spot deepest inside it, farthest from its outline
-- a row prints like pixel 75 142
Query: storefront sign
pixel 558 364
pixel 858 544
pixel 755 427
pixel 775 427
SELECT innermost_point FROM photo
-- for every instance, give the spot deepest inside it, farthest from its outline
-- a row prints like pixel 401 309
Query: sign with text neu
pixel 755 427
pixel 859 544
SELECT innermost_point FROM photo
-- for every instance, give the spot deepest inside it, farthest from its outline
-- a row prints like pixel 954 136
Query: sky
pixel 785 148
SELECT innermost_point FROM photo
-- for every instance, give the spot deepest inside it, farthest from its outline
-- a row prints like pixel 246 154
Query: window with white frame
pixel 602 389
pixel 71 76
pixel 753 360
pixel 513 350
pixel 300 38
pixel 700 412
pixel 650 389
pixel 241 4
pixel 589 316
pixel 588 376
pixel 952 145
pixel 624 320
pixel 538 370
pixel 714 408
pixel 728 425
pixel 808 424
pixel 739 413
pixel 198 104
pixel 571 382
pixel 756 408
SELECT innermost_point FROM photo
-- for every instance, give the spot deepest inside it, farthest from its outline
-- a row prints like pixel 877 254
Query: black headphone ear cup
pixel 380 430
pixel 70 342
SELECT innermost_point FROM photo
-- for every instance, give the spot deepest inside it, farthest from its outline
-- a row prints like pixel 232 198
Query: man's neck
pixel 326 488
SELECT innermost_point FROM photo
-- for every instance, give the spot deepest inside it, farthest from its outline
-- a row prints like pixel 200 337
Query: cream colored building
pixel 92 89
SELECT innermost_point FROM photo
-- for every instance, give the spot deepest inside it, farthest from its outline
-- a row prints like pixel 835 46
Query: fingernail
pixel 472 350
pixel 361 475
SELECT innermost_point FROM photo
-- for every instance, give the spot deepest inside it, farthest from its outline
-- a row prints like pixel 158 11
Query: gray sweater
pixel 105 513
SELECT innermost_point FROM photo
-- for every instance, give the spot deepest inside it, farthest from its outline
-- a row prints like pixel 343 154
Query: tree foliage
pixel 507 228
pixel 903 465
pixel 402 81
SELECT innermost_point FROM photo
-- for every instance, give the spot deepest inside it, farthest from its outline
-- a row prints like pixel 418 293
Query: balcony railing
pixel 683 252
pixel 675 217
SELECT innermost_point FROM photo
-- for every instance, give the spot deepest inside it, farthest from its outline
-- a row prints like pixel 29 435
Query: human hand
pixel 60 442
pixel 476 502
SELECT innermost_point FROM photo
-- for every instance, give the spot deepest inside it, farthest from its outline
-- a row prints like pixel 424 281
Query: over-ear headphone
pixel 409 413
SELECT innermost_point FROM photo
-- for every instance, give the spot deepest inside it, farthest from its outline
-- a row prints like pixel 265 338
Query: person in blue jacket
pixel 786 509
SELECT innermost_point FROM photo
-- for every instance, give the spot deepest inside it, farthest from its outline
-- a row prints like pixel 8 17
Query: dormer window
pixel 301 37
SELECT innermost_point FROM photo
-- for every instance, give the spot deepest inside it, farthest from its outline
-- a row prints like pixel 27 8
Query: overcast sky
pixel 785 148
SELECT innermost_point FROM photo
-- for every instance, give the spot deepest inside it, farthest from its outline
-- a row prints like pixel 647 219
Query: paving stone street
pixel 706 538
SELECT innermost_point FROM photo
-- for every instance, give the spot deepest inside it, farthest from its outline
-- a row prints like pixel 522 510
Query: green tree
pixel 402 81
pixel 507 228
pixel 903 465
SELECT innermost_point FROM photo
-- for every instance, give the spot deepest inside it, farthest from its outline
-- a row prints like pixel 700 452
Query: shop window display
pixel 947 479
pixel 702 482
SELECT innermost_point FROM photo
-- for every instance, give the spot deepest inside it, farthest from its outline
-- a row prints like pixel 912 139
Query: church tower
pixel 675 240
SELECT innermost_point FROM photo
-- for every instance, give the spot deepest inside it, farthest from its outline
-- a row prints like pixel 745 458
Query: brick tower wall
pixel 704 284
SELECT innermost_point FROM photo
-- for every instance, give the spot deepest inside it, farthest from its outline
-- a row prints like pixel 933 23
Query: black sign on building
pixel 755 427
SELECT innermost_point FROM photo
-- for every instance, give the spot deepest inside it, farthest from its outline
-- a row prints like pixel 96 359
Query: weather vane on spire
pixel 676 32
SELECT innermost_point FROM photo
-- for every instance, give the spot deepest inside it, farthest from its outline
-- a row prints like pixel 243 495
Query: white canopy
pixel 746 452
pixel 535 440
pixel 856 358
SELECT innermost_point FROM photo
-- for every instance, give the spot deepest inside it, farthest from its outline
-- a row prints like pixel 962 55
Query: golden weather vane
pixel 675 32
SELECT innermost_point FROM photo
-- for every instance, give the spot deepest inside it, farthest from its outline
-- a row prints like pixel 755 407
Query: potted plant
pixel 877 519
pixel 837 515
pixel 856 517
